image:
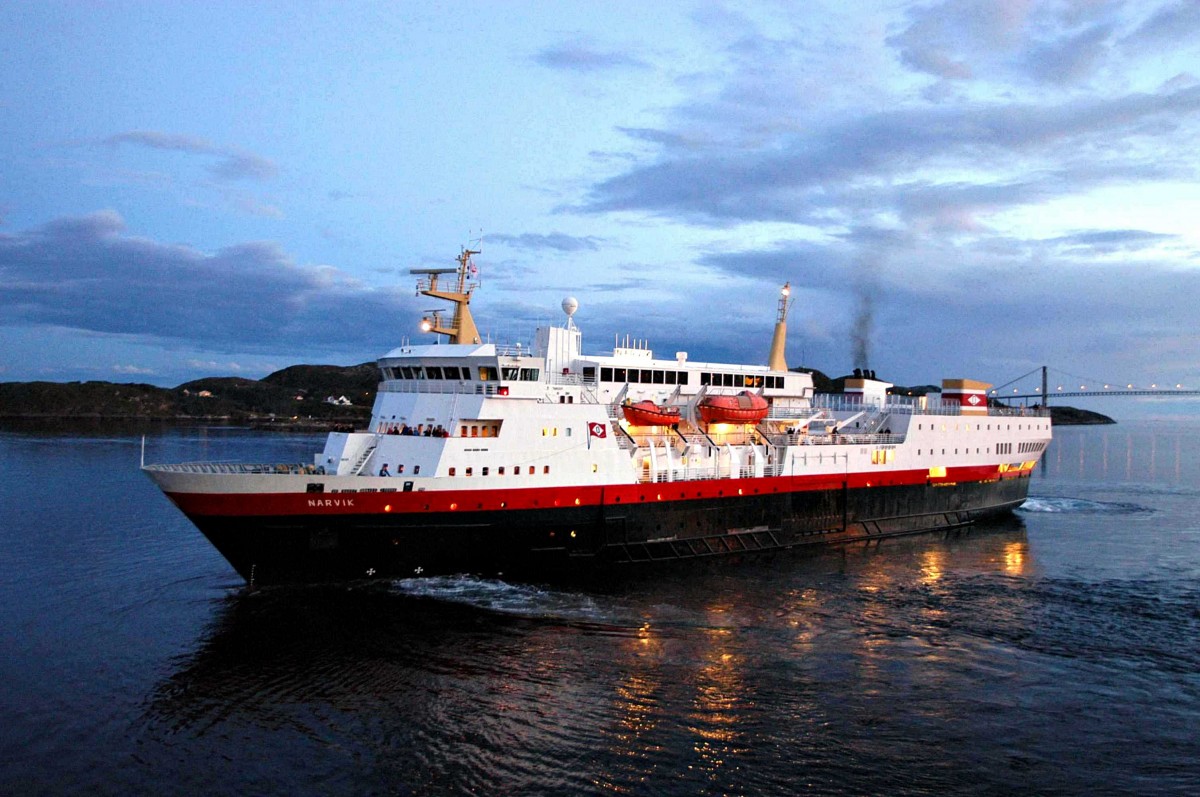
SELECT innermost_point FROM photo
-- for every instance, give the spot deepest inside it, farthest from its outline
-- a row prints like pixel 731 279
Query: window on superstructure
pixel 545 469
pixel 669 376
pixel 532 374
pixel 500 471
pixel 486 373
pixel 589 373
pixel 450 371
pixel 451 471
pixel 433 372
pixel 406 371
pixel 470 471
pixel 416 470
pixel 606 374
pixel 729 380
pixel 484 471
pixel 659 378
pixel 619 375
pixel 530 470
pixel 705 378
pixel 682 378
pixel 510 374
pixel 418 372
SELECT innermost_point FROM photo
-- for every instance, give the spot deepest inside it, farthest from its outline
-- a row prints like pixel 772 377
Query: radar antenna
pixel 462 327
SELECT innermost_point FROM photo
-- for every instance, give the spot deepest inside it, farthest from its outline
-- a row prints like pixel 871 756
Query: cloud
pixel 581 56
pixel 231 163
pixel 1104 242
pixel 1165 28
pixel 132 369
pixel 557 241
pixel 86 273
pixel 844 165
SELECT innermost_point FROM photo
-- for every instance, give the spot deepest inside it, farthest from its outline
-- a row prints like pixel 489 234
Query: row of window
pixel 485 470
pixel 657 376
pixel 487 373
pixel 739 380
pixel 1007 427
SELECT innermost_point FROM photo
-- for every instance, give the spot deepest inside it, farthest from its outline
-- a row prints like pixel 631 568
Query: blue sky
pixel 955 189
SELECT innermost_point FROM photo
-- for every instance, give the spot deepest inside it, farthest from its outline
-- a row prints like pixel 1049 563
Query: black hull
pixel 564 542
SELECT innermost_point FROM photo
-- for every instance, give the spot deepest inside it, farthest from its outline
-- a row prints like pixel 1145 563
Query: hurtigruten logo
pixel 331 502
pixel 974 400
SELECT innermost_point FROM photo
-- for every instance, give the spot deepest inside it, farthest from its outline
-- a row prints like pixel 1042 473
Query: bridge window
pixel 486 373
pixel 531 374
pixel 450 372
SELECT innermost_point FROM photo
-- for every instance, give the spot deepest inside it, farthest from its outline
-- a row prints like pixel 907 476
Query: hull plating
pixel 563 541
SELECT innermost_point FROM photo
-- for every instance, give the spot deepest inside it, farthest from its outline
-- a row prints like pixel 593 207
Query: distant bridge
pixel 1045 393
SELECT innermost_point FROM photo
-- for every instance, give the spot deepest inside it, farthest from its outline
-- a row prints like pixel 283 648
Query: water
pixel 1056 652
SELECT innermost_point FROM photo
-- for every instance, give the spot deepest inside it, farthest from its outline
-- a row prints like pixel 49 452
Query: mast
pixel 462 327
pixel 776 360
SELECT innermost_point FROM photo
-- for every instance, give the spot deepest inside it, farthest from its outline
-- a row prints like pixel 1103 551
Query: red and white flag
pixel 597 430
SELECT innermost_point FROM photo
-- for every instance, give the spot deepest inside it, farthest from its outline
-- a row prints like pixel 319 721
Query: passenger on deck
pixel 384 470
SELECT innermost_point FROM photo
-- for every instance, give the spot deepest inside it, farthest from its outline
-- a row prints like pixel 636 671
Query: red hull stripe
pixel 499 499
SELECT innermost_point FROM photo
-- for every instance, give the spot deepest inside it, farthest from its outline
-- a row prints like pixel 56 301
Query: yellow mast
pixel 462 327
pixel 776 361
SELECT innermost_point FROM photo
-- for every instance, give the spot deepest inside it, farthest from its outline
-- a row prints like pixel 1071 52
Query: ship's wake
pixel 1080 506
pixel 502 597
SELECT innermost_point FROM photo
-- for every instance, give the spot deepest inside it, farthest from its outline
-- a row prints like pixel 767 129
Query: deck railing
pixel 235 468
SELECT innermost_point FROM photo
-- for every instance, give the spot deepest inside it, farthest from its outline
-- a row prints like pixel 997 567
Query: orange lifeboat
pixel 647 413
pixel 745 407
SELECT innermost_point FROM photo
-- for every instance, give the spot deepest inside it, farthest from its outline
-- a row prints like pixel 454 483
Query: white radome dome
pixel 570 305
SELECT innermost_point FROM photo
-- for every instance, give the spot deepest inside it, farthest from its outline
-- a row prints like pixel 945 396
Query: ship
pixel 541 461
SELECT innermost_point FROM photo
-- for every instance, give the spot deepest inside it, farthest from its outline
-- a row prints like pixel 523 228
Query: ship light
pixel 426 325
pixel 502 391
pixel 453 506
pixel 387 507
pixel 576 502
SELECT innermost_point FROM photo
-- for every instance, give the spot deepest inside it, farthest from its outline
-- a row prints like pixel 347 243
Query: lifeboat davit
pixel 745 407
pixel 647 413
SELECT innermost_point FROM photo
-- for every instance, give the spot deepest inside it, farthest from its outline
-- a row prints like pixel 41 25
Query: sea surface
pixel 1055 652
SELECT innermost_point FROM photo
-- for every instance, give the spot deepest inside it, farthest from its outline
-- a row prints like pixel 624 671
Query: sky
pixel 954 189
